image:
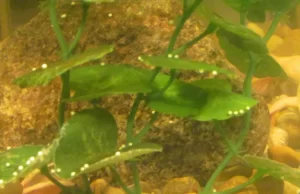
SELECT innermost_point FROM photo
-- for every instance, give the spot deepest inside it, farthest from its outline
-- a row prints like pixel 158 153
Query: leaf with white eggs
pixel 42 77
pixel 89 136
pixel 201 100
pixel 220 103
pixel 17 162
pixel 274 169
pixel 175 63
pixel 127 153
pixel 220 100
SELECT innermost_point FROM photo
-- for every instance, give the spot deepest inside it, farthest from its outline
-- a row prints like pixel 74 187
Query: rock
pixel 181 185
pixel 290 188
pixel 289 120
pixel 235 181
pixel 99 186
pixel 278 136
pixel 289 47
pixel 145 187
pixel 12 188
pixel 274 42
pixel 255 28
pixel 269 185
pixel 284 154
pixel 113 190
pixel 236 170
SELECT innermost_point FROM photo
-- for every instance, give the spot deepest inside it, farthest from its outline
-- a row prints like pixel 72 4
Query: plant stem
pixel 242 135
pixel 45 171
pixel 120 182
pixel 54 21
pixel 243 18
pixel 65 53
pixel 130 122
pixel 145 130
pixel 225 138
pixel 186 14
pixel 209 185
pixel 185 5
pixel 65 92
pixel 236 189
pixel 86 183
pixel 273 27
pixel 85 8
pixel 136 179
pixel 131 117
pixel 170 81
pixel 243 12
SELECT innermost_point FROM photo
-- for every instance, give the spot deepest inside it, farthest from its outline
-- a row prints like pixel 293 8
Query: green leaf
pixel 280 5
pixel 180 99
pixel 44 76
pixel 266 67
pixel 204 11
pixel 213 84
pixel 174 63
pixel 95 81
pixel 256 12
pixel 275 169
pixel 240 36
pixel 221 105
pixel 237 4
pixel 18 162
pixel 87 137
pixel 128 153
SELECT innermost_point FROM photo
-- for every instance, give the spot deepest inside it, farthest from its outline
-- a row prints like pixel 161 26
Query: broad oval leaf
pixel 18 162
pixel 87 137
pixel 42 77
pixel 240 36
pixel 280 5
pixel 129 152
pixel 257 12
pixel 180 99
pixel 174 63
pixel 220 99
pixel 237 4
pixel 222 105
pixel 274 168
pixel 90 82
pixel 266 67
pixel 213 84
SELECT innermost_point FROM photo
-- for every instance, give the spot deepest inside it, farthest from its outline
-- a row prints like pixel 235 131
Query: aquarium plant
pixel 87 142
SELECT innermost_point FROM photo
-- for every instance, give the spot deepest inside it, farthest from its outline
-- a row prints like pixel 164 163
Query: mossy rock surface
pixel 191 148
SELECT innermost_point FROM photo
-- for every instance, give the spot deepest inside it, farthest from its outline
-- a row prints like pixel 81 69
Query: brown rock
pixel 269 185
pixel 235 181
pixel 236 170
pixel 12 188
pixel 284 154
pixel 181 185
